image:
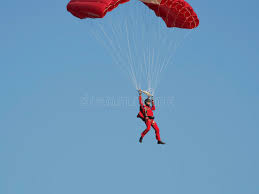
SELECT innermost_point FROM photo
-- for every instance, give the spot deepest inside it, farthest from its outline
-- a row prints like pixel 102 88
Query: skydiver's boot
pixel 160 142
pixel 140 139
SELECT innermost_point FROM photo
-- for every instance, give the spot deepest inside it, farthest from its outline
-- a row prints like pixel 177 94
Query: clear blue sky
pixel 51 142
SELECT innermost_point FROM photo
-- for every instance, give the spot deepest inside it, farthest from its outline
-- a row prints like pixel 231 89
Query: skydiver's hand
pixel 140 92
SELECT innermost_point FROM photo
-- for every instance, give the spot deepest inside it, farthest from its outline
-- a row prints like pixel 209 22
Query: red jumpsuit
pixel 147 111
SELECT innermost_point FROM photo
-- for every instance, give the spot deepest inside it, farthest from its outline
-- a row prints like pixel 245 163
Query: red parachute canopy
pixel 92 8
pixel 175 13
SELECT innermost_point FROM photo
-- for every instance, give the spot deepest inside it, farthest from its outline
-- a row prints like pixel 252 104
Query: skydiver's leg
pixel 148 124
pixel 156 128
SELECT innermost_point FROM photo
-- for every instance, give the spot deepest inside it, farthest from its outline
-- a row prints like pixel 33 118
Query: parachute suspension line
pixel 139 43
pixel 174 47
pixel 115 50
pixel 154 58
pixel 117 57
pixel 131 60
pixel 120 49
pixel 138 64
pixel 152 66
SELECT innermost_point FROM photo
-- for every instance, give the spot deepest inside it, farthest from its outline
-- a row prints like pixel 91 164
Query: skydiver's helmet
pixel 147 101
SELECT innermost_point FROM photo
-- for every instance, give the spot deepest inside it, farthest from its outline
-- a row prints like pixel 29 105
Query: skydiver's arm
pixel 153 105
pixel 140 98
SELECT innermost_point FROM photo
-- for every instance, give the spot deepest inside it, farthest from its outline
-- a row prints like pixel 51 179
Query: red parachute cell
pixel 92 8
pixel 175 13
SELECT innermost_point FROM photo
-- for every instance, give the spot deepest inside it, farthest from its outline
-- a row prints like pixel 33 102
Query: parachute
pixel 138 40
pixel 175 13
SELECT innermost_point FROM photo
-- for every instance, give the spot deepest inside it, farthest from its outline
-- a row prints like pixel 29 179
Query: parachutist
pixel 147 116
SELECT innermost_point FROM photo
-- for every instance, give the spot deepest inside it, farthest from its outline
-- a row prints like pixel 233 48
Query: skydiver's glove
pixel 140 92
